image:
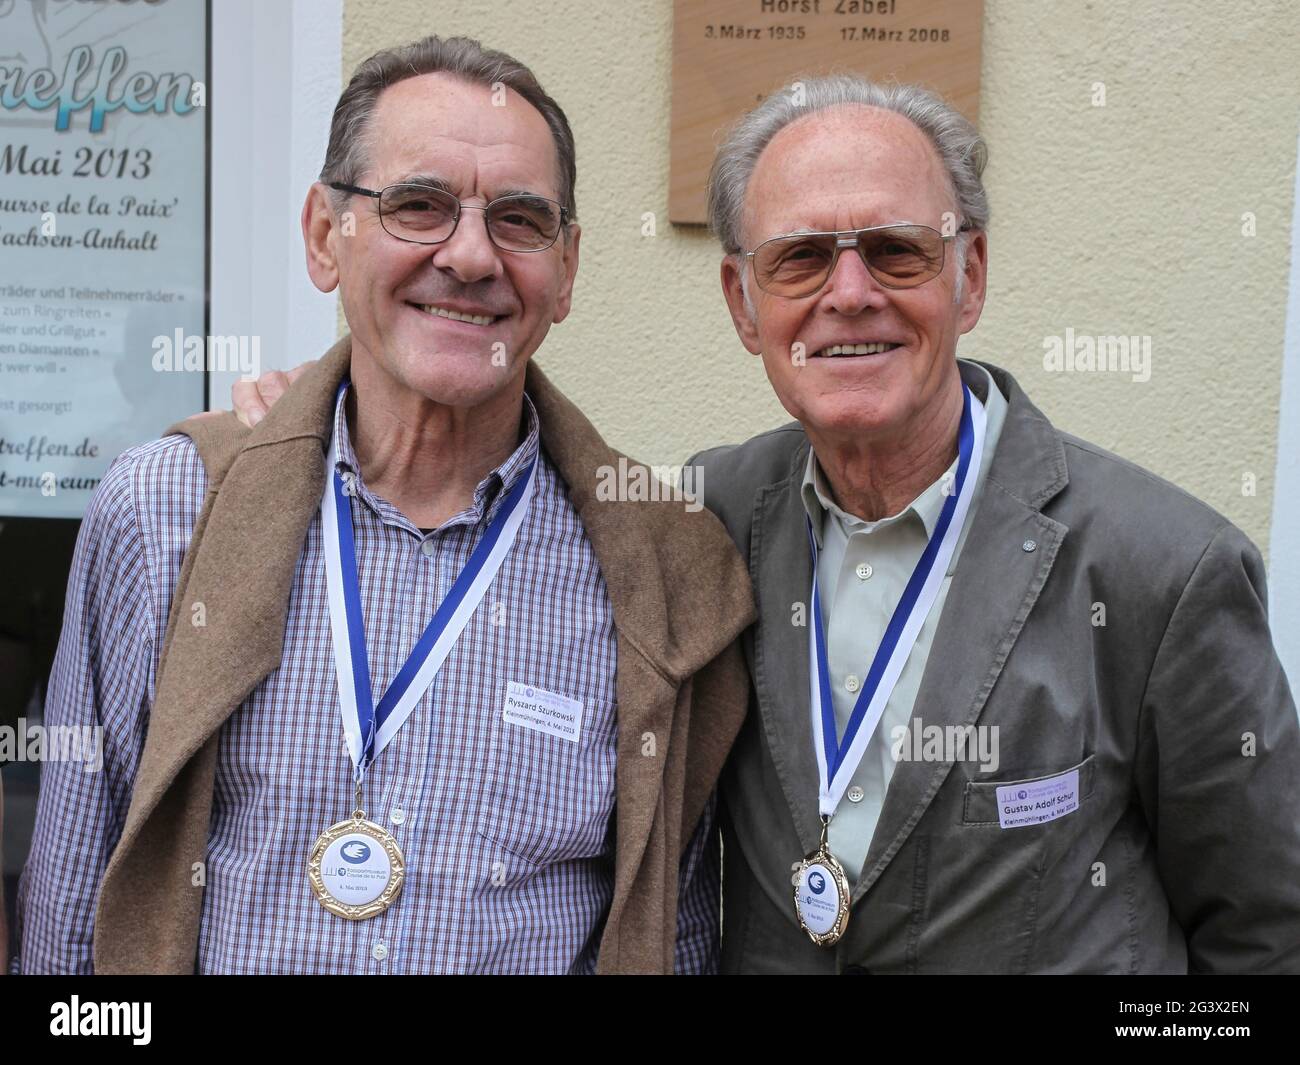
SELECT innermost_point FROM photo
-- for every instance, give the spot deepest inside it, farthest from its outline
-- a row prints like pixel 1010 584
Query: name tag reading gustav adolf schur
pixel 542 711
pixel 1035 801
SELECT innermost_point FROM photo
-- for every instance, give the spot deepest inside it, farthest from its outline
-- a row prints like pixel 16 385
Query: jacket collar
pixel 1030 460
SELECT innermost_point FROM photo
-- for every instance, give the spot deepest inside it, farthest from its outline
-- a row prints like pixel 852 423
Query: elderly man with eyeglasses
pixel 386 687
pixel 1016 703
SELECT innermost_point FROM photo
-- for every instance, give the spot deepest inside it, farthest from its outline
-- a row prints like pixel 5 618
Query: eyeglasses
pixel 897 256
pixel 422 214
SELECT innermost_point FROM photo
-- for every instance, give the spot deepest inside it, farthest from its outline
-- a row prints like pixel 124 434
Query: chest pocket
pixel 981 799
pixel 548 799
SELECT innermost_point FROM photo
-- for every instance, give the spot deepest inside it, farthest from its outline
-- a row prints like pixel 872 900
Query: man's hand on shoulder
pixel 252 399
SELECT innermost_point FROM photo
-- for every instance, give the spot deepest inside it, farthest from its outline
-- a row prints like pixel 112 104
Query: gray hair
pixel 349 145
pixel 960 147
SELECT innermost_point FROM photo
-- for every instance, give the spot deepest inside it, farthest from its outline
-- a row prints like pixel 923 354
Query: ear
pixel 977 273
pixel 746 328
pixel 321 233
pixel 564 298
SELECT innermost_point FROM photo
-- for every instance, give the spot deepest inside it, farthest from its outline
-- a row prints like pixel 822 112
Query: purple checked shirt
pixel 507 832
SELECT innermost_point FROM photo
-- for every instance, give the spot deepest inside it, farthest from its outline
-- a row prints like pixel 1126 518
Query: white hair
pixel 961 149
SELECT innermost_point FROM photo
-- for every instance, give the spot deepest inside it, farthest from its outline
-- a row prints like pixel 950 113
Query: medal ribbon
pixel 837 761
pixel 370 728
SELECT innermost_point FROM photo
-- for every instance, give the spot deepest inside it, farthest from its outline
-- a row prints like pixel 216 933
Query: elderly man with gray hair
pixel 1016 704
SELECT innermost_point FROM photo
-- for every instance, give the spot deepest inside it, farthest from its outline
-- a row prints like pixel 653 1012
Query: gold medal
pixel 821 894
pixel 356 868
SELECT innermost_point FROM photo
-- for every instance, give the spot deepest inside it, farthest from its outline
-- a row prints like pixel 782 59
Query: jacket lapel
pixel 781 565
pixel 991 595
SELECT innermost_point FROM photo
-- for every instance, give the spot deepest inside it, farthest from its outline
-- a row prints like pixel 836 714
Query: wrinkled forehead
pixel 477 140
pixel 845 168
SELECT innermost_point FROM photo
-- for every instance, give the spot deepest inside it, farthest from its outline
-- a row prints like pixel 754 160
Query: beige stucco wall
pixel 1122 219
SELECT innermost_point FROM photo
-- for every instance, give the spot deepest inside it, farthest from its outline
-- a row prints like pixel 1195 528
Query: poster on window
pixel 103 243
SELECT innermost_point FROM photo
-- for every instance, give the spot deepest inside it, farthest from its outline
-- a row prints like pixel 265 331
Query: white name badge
pixel 1033 802
pixel 542 711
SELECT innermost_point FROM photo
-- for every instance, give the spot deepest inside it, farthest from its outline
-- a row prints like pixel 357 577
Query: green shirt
pixel 864 567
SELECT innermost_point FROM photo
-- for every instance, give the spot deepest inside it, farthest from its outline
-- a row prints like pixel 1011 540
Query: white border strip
pixel 277 72
pixel 1284 539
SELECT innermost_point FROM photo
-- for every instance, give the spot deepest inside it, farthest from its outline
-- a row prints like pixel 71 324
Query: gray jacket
pixel 1184 852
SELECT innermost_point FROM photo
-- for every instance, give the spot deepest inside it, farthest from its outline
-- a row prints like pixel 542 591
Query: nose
pixel 469 253
pixel 851 289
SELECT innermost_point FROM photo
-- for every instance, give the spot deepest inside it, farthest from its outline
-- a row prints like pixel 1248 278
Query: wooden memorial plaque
pixel 729 54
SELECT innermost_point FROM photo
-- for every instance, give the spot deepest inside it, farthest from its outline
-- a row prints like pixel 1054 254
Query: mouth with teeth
pixel 833 350
pixel 435 311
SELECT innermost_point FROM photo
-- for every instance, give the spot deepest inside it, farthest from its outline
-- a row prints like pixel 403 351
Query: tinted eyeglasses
pixel 897 256
pixel 422 214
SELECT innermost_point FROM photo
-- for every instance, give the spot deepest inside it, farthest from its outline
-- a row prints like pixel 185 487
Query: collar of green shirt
pixel 816 492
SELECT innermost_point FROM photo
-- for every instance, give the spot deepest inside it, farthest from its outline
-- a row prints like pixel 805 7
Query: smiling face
pixel 456 321
pixel 849 168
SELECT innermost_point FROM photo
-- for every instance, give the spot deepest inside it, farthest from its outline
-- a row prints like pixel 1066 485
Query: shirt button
pixel 851 683
pixel 863 571
pixel 427 549
pixel 379 951
pixel 397 815
pixel 855 794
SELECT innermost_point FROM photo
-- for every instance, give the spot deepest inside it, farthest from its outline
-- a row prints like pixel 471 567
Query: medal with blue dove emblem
pixel 356 868
pixel 821 894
